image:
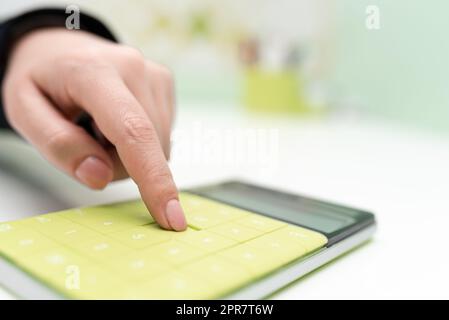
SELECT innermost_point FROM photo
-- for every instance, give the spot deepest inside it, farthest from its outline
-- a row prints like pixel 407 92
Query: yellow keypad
pixel 116 251
pixel 311 240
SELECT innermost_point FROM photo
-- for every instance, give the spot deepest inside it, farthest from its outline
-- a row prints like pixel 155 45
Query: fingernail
pixel 175 215
pixel 94 173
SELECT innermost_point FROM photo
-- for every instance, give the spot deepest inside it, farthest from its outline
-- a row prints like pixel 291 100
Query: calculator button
pixel 210 216
pixel 71 233
pixel 222 274
pixel 75 215
pixel 134 211
pixel 117 251
pixel 99 218
pixel 108 225
pixel 6 228
pixel 142 236
pixel 280 248
pixel 203 220
pixel 202 213
pixel 45 223
pixel 190 202
pixel 174 252
pixel 127 207
pixel 173 285
pixel 84 216
pixel 261 223
pixel 54 265
pixel 236 232
pixel 224 211
pixel 254 259
pixel 176 235
pixel 311 240
pixel 101 248
pixel 138 266
pixel 94 283
pixel 207 241
pixel 21 241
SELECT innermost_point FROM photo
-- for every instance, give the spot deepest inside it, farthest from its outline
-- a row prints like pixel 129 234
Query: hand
pixel 55 75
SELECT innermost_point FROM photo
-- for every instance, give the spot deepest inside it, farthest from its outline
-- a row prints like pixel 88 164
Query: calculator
pixel 242 242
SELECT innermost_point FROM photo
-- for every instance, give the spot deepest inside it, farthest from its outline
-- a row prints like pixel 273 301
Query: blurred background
pixel 294 56
pixel 345 100
pixel 319 96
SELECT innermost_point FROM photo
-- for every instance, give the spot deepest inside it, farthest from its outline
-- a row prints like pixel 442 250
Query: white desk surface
pixel 401 175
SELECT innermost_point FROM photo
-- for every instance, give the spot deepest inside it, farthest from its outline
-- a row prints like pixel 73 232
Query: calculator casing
pixel 341 241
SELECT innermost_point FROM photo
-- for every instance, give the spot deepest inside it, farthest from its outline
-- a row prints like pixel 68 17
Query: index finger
pixel 123 121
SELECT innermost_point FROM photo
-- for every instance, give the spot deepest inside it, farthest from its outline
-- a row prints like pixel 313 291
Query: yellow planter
pixel 273 91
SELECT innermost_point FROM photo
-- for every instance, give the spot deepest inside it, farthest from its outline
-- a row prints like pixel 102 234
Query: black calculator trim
pixel 365 220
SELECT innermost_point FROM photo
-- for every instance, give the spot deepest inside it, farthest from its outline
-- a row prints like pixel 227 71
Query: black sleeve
pixel 11 30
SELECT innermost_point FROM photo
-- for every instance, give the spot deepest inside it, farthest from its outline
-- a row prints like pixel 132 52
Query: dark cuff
pixel 14 28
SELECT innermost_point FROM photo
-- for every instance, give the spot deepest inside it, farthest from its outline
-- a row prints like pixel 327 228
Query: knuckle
pixel 82 71
pixel 58 141
pixel 159 179
pixel 136 129
pixel 86 55
pixel 76 59
pixel 165 75
pixel 82 63
pixel 133 58
pixel 158 174
pixel 90 69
